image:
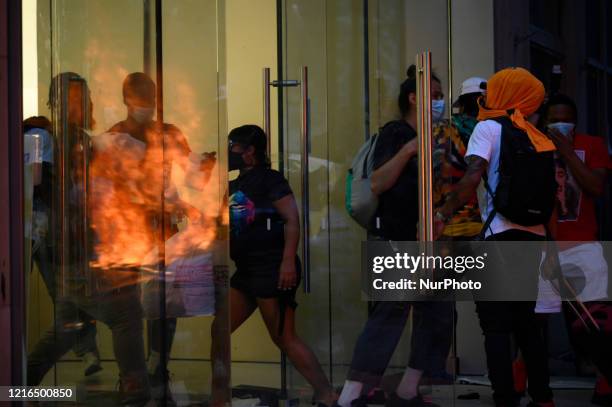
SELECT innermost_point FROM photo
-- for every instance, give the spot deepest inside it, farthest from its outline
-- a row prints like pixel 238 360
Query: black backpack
pixel 525 194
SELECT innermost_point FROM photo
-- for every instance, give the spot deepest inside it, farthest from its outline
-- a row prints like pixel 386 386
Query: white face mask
pixel 564 128
pixel 437 110
pixel 142 114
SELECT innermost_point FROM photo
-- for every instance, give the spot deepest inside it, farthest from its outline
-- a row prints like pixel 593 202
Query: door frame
pixel 12 305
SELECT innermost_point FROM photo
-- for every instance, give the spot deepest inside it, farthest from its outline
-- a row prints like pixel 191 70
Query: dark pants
pixel 430 343
pixel 501 320
pixel 119 309
pixel 86 341
pixel 156 329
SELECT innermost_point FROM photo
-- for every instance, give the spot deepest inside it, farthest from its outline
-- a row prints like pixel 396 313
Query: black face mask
pixel 235 161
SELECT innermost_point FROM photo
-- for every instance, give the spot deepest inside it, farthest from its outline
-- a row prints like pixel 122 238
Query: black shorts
pixel 260 280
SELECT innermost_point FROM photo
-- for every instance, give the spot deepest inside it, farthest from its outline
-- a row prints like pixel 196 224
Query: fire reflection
pixel 134 203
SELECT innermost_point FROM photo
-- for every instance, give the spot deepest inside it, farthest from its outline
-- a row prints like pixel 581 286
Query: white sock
pixel 350 392
pixel 408 387
pixel 154 360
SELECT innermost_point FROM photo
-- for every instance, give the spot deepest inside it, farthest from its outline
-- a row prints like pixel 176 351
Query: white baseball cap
pixel 472 85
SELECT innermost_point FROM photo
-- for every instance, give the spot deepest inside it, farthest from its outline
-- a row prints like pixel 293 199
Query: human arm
pixel 591 180
pixel 384 177
pixel 464 191
pixel 287 209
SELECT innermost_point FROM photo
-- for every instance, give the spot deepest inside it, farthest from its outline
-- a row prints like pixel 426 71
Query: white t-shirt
pixel 585 268
pixel 485 142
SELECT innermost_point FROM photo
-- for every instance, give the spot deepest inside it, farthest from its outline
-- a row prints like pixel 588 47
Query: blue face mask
pixel 437 110
pixel 563 127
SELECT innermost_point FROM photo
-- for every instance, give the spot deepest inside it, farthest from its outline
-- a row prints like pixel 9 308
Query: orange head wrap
pixel 516 93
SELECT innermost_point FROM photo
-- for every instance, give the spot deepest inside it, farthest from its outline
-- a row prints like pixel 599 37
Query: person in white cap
pixel 471 89
pixel 450 143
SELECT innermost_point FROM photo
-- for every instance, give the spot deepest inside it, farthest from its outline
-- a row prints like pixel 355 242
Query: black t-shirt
pixel 257 229
pixel 398 208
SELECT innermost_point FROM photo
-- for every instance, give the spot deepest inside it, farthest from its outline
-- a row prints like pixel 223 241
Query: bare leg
pixel 241 308
pixel 297 351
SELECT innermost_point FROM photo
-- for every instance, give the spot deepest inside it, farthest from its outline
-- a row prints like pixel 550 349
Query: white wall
pixel 30 58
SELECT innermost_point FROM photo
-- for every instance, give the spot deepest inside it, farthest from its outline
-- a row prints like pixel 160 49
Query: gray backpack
pixel 360 201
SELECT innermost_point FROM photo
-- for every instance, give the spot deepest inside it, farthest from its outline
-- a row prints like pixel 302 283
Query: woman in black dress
pixel 264 237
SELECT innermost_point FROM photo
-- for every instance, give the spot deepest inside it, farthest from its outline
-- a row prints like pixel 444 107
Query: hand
pixel 208 160
pixel 288 275
pixel 563 143
pixel 207 164
pixel 410 148
pixel 550 267
pixel 438 228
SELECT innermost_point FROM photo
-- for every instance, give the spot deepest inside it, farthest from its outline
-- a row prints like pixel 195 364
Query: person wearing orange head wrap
pixel 516 93
pixel 512 95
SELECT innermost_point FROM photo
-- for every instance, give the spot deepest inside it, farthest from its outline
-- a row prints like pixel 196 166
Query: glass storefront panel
pixel 129 235
pixel 356 55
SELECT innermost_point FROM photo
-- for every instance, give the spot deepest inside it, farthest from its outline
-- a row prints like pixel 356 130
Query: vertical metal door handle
pixel 425 146
pixel 86 215
pixel 305 144
pixel 266 106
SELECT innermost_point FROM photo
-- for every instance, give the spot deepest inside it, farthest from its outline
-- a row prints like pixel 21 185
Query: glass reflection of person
pixel 264 237
pixel 43 244
pixel 117 308
pixel 146 181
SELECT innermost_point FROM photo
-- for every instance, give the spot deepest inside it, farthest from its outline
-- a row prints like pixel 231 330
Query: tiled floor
pixel 190 386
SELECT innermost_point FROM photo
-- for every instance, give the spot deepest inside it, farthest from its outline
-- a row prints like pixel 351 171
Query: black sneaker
pixel 361 401
pixel 92 363
pixel 396 401
pixel 160 384
pixel 541 404
pixel 134 392
pixel 377 396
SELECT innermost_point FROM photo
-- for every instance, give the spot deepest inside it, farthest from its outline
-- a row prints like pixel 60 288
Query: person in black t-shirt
pixel 264 237
pixel 395 182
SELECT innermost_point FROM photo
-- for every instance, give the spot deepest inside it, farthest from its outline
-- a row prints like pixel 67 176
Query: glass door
pixel 350 58
pixel 126 161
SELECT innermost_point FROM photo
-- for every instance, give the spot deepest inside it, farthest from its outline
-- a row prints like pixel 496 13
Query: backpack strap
pixel 372 143
pixel 487 224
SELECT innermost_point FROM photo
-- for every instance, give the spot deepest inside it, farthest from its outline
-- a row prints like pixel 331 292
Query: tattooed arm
pixel 464 190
